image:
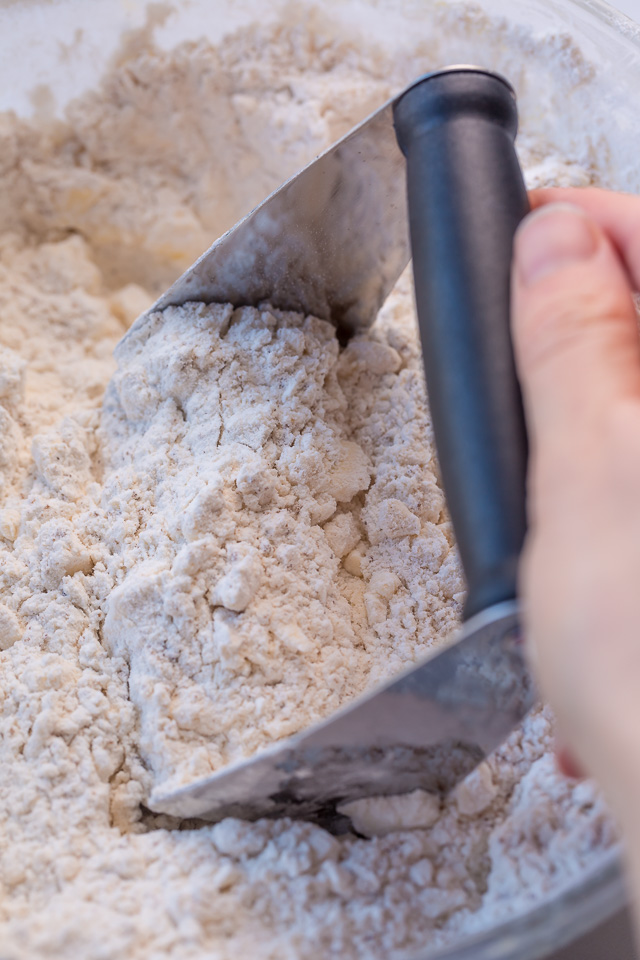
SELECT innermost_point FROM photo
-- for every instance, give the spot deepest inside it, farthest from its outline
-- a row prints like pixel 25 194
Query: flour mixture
pixel 242 533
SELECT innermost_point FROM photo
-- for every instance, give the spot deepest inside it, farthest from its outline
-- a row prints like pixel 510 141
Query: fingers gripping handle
pixel 466 197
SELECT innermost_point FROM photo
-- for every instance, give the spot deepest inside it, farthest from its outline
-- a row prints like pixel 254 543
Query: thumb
pixel 575 330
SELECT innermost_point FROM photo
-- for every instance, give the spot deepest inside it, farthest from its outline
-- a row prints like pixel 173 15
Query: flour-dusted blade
pixel 331 241
pixel 426 730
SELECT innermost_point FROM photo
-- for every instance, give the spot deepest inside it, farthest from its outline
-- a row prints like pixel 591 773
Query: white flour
pixel 250 533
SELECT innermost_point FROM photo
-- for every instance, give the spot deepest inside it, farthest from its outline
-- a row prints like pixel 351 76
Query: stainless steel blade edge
pixel 331 241
pixel 425 730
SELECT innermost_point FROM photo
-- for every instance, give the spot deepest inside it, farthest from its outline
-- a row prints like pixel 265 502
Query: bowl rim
pixel 575 909
pixel 614 18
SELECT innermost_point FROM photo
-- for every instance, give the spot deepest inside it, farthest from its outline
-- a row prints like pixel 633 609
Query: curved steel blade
pixel 427 729
pixel 331 241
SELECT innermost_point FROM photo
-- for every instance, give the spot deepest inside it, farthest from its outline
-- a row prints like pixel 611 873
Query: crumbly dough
pixel 246 533
pixel 246 434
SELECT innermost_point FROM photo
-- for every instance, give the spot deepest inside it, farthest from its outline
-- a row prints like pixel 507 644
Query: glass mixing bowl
pixel 51 51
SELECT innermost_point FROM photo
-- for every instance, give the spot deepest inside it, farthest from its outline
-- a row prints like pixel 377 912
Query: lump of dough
pixel 342 534
pixel 476 792
pixel 9 627
pixel 350 472
pixel 61 553
pixel 62 460
pixel 239 585
pixel 129 302
pixel 390 520
pixel 376 816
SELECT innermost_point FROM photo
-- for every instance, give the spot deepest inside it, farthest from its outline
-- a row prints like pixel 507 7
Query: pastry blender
pixel 434 172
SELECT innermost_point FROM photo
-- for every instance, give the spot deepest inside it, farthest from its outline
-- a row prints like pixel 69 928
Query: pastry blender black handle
pixel 466 197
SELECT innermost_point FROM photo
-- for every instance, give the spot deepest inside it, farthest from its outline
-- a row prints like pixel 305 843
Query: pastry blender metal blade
pixel 426 730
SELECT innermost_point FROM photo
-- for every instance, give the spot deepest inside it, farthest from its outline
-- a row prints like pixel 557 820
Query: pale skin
pixel 575 329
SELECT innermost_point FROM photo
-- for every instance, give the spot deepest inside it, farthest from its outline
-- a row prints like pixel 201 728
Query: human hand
pixel 578 354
